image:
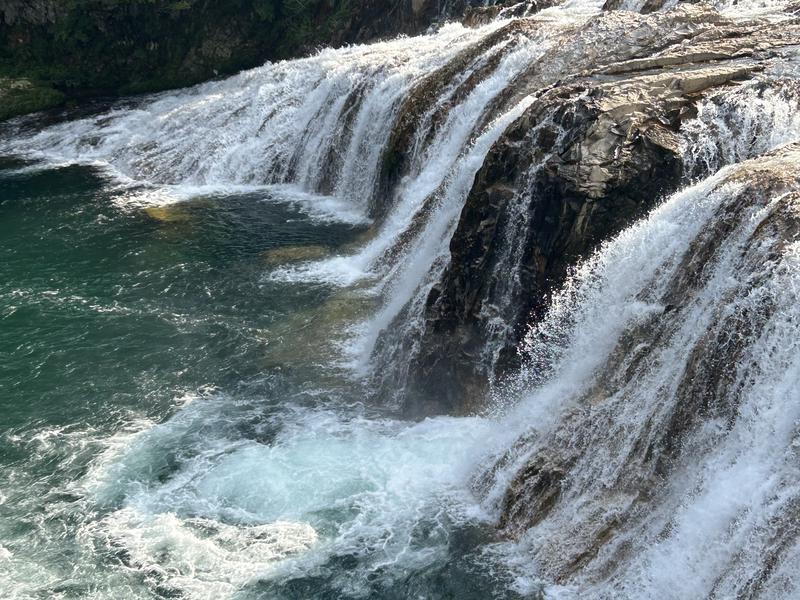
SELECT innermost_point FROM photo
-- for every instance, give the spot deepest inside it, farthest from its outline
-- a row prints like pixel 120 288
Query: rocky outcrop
pixel 640 6
pixel 483 14
pixel 592 154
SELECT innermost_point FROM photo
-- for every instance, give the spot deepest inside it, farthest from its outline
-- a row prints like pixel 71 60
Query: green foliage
pixel 19 97
pixel 74 30
pixel 298 7
pixel 128 46
pixel 265 10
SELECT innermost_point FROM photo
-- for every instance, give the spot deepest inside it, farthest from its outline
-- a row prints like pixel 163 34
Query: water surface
pixel 178 423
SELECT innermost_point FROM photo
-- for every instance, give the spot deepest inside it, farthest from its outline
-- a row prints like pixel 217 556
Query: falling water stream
pixel 194 287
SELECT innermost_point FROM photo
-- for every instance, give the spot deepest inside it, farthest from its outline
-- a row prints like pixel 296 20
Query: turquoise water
pixel 177 423
pixel 107 309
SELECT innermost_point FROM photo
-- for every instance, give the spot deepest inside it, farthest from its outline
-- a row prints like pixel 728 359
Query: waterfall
pixel 394 133
pixel 644 444
pixel 742 122
pixel 317 131
pixel 731 125
pixel 429 249
pixel 307 122
pixel 661 455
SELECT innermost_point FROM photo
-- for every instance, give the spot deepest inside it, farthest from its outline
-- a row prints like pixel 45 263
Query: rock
pixel 592 154
pixel 289 254
pixel 169 213
pixel 475 16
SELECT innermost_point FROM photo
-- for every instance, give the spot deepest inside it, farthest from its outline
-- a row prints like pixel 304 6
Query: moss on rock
pixel 22 96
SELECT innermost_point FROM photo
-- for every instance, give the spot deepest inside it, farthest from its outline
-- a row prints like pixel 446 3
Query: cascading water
pixel 306 122
pixel 662 443
pixel 740 123
pixel 646 449
pixel 731 126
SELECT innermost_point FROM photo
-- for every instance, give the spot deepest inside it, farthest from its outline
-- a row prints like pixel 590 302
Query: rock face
pixel 483 14
pixel 592 154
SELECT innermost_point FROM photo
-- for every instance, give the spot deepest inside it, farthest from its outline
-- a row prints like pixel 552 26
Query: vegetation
pixel 21 96
pixel 78 48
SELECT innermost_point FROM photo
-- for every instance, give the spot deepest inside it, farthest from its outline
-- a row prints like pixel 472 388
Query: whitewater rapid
pixel 328 484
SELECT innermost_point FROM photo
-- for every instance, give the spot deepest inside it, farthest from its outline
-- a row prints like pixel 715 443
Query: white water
pixel 430 247
pixel 384 492
pixel 741 122
pixel 735 483
pixel 442 159
pixel 274 124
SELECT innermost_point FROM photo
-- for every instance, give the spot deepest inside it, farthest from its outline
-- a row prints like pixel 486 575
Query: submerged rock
pixel 170 213
pixel 288 254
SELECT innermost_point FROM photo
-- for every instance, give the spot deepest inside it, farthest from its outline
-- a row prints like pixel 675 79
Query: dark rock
pixel 475 16
pixel 591 155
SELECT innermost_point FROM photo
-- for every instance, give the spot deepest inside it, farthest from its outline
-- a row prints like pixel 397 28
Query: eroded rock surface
pixel 593 153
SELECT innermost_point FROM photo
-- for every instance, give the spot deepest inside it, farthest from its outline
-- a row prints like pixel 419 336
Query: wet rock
pixel 289 254
pixel 170 213
pixel 593 153
pixel 475 16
